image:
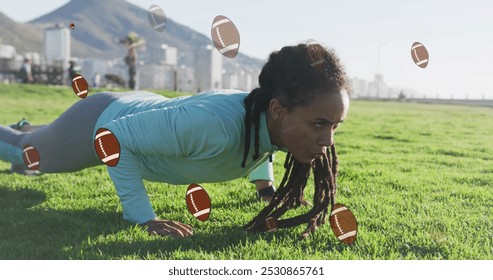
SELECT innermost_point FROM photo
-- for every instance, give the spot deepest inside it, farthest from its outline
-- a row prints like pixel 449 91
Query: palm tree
pixel 132 42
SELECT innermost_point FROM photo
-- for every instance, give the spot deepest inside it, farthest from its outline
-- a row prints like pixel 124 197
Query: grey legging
pixel 66 144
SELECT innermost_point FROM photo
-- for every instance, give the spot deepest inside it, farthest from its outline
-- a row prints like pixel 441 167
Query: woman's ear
pixel 276 109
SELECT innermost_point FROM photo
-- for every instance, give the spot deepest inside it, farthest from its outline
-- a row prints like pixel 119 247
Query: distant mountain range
pixel 99 25
pixel 24 37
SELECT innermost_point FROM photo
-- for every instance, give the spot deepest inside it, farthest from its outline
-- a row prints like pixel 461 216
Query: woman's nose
pixel 327 138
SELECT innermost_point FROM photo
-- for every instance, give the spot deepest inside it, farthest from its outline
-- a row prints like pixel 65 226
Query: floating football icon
pixel 80 86
pixel 157 18
pixel 107 147
pixel 225 36
pixel 343 224
pixel 420 54
pixel 198 202
pixel 31 157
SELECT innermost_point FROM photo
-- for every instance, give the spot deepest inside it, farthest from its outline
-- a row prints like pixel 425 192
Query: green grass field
pixel 418 177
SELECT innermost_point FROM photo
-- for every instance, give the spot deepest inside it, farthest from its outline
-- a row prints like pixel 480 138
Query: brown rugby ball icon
pixel 343 224
pixel 198 202
pixel 270 224
pixel 80 86
pixel 107 147
pixel 31 157
pixel 225 36
pixel 420 54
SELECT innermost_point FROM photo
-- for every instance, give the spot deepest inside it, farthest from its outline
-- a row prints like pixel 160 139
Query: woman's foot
pixel 20 124
pixel 21 168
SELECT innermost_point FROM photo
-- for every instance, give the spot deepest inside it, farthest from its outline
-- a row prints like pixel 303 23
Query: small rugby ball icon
pixel 157 18
pixel 225 36
pixel 107 147
pixel 80 86
pixel 198 202
pixel 343 224
pixel 420 54
pixel 270 224
pixel 31 157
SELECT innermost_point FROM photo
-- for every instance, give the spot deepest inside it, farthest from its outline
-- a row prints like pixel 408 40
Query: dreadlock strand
pixel 256 125
pixel 253 225
pixel 280 197
pixel 325 184
pixel 334 160
pixel 333 184
pixel 316 216
pixel 248 124
pixel 322 197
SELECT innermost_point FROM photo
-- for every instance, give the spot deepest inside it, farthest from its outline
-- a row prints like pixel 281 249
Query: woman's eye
pixel 324 124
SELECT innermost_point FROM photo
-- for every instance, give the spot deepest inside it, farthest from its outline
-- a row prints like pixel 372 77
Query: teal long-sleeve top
pixel 194 139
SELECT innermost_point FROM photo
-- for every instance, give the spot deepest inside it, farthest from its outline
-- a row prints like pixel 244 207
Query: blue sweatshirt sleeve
pixel 138 135
pixel 130 188
pixel 168 132
pixel 263 172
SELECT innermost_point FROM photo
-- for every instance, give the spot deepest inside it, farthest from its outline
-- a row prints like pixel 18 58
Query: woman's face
pixel 307 131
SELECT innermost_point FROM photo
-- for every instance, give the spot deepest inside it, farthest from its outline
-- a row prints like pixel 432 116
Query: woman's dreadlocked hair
pixel 295 75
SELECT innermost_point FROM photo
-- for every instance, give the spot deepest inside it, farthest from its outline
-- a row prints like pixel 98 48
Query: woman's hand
pixel 167 228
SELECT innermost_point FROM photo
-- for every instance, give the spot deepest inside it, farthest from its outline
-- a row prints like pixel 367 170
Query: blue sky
pixel 457 34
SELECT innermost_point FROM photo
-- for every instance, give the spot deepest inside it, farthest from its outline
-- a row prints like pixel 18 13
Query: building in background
pixel 359 88
pixel 7 51
pixel 57 45
pixel 156 76
pixel 245 81
pixel 378 88
pixel 208 67
pixel 160 70
pixel 8 64
pixel 56 54
pixel 186 79
pixel 94 70
pixel 167 56
pixel 230 80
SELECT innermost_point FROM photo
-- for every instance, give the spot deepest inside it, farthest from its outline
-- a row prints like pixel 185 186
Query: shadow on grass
pixel 5 171
pixel 221 243
pixel 30 233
